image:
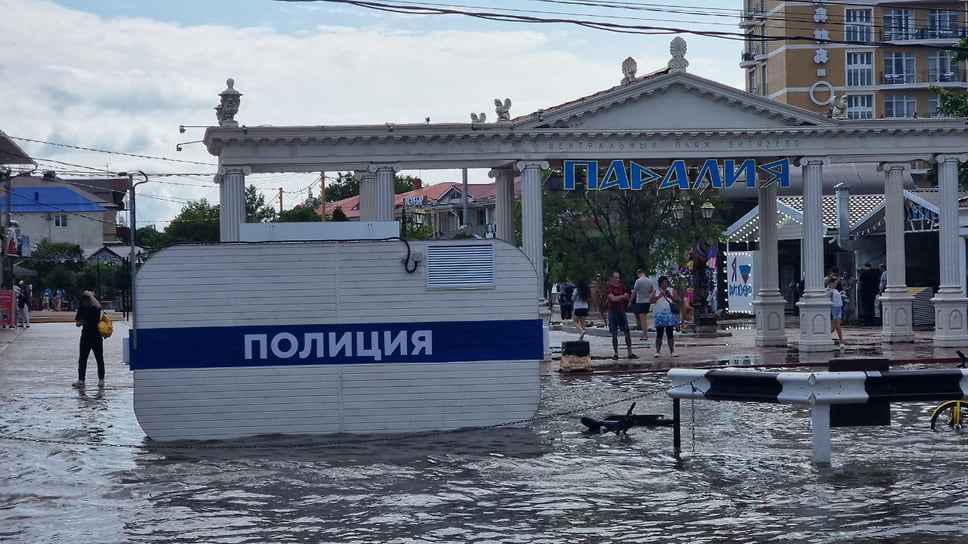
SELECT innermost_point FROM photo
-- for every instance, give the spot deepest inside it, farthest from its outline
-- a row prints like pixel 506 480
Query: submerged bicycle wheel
pixel 953 413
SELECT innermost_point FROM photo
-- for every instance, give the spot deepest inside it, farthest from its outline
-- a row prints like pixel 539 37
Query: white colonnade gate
pixel 659 126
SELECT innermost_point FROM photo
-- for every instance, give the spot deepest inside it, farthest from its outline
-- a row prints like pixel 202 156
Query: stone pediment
pixel 672 101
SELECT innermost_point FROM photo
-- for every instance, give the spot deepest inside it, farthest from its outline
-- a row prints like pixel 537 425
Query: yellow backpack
pixel 104 326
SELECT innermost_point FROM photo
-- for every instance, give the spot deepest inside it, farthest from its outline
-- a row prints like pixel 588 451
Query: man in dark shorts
pixel 618 299
pixel 643 290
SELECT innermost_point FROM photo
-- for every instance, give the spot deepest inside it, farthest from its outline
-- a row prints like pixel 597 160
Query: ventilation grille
pixel 460 266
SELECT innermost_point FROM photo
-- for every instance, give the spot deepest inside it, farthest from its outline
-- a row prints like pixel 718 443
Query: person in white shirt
pixel 836 309
pixel 643 290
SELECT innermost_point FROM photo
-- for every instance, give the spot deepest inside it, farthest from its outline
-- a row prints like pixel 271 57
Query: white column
pixel 896 303
pixel 366 179
pixel 383 193
pixel 231 205
pixel 503 203
pixel 768 304
pixel 532 235
pixel 950 326
pixel 814 305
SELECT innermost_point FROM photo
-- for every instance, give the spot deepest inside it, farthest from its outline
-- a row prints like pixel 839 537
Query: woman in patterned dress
pixel 665 320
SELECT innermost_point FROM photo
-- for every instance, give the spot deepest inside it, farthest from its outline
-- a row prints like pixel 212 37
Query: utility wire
pixel 109 152
pixel 418 9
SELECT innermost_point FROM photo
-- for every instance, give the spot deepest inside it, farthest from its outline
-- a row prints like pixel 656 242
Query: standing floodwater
pixel 76 468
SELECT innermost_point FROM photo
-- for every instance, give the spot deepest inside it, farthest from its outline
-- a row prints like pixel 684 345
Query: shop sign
pixel 718 175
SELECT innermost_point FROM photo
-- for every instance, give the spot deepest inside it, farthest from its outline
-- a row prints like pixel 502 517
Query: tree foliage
pixel 299 214
pixel 56 263
pixel 588 234
pixel 256 210
pixel 197 222
pixel 345 186
pixel 953 104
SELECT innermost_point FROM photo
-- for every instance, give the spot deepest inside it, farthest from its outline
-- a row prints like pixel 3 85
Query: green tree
pixel 339 215
pixel 150 237
pixel 590 233
pixel 256 210
pixel 402 184
pixel 55 262
pixel 953 104
pixel 197 222
pixel 345 186
pixel 304 214
pixel 102 278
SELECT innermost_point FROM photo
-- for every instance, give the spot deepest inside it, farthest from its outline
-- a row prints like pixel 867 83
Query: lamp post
pixel 133 230
pixel 702 323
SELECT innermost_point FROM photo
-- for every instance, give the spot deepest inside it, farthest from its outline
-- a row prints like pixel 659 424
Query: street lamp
pixel 701 321
pixel 133 230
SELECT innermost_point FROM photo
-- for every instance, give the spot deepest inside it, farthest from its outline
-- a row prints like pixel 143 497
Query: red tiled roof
pixel 478 192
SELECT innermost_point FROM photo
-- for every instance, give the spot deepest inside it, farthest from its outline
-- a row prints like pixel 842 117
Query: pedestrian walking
pixel 666 317
pixel 643 290
pixel 579 298
pixel 836 297
pixel 87 317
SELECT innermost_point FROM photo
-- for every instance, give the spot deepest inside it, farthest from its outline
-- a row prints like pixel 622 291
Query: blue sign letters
pixel 636 176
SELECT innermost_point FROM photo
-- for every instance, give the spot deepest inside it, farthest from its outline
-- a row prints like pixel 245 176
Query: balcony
pixel 750 17
pixel 953 75
pixel 927 33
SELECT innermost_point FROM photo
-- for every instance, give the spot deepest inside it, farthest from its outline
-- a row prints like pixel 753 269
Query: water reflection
pixel 744 475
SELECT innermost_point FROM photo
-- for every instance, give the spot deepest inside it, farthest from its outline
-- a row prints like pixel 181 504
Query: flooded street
pixel 77 468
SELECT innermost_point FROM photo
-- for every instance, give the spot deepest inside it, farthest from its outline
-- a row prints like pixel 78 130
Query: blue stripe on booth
pixel 424 342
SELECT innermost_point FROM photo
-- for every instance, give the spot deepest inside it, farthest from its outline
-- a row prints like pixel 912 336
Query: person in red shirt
pixel 618 300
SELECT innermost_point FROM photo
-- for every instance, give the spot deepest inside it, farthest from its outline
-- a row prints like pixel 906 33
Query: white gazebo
pixel 653 120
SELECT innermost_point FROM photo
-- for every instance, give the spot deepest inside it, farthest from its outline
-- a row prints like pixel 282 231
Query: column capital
pixel 961 157
pixel 374 168
pixel 524 165
pixel 360 175
pixel 226 170
pixel 888 166
pixel 495 173
pixel 812 161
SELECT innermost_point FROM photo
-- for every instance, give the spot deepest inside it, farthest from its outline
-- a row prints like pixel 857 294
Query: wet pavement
pixel 77 468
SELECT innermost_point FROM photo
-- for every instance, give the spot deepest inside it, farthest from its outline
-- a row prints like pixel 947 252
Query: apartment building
pixel 883 56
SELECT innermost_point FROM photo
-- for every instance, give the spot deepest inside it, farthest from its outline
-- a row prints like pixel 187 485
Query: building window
pixel 934 102
pixel 899 24
pixel 858 25
pixel 942 23
pixel 860 106
pixel 899 105
pixel 751 75
pixel 898 68
pixel 940 67
pixel 765 82
pixel 60 220
pixel 860 69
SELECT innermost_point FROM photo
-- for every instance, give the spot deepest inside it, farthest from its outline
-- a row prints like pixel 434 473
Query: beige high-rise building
pixel 892 56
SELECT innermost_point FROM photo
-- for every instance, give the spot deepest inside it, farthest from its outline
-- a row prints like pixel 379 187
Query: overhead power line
pixel 508 16
pixel 110 152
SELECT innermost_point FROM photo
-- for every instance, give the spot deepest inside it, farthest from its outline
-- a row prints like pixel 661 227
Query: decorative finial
pixel 478 118
pixel 502 109
pixel 229 106
pixel 629 67
pixel 678 63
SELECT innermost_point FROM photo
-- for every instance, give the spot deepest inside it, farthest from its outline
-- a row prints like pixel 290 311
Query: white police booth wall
pixel 243 339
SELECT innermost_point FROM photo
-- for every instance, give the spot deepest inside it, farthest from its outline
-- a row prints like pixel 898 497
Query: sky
pixel 111 81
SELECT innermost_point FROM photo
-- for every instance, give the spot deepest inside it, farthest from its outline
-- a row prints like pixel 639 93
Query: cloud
pixel 125 84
